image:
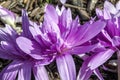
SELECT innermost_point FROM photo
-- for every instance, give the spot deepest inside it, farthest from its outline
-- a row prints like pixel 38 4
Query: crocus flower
pixel 7 16
pixel 109 11
pixel 23 63
pixel 63 37
pixel 109 39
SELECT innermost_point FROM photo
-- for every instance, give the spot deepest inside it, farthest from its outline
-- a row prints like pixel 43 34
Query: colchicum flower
pixel 7 16
pixel 109 39
pixel 63 37
pixel 23 63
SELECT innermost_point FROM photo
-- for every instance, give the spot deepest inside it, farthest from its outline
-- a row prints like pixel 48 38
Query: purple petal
pixel 40 37
pixel 82 49
pixel 84 73
pixel 116 41
pixel 59 12
pixel 105 39
pixel 40 73
pixel 9 49
pixel 86 32
pixel 25 72
pixel 8 34
pixel 6 55
pixel 66 67
pixel 71 30
pixel 30 47
pixel 113 27
pixel 99 13
pixel 107 14
pixel 52 26
pixel 118 5
pixel 25 24
pixel 63 1
pixel 65 22
pixel 10 72
pixel 51 12
pixel 93 62
pixel 92 31
pixel 98 74
pixel 110 7
pixel 7 16
pixel 99 58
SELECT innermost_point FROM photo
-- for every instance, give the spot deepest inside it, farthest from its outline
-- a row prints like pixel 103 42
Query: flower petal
pixel 7 16
pixel 66 67
pixel 118 5
pixel 25 24
pixel 40 73
pixel 99 58
pixel 51 12
pixel 110 7
pixel 8 34
pixel 87 32
pixel 98 74
pixel 99 13
pixel 25 72
pixel 93 62
pixel 30 47
pixel 10 72
pixel 59 12
pixel 82 49
pixel 116 41
pixel 84 73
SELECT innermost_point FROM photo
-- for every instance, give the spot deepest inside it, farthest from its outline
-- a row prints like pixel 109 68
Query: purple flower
pixel 109 11
pixel 109 39
pixel 91 63
pixel 23 63
pixel 62 37
pixel 7 16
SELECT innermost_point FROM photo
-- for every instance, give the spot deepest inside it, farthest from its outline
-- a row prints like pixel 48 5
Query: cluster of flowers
pixel 58 37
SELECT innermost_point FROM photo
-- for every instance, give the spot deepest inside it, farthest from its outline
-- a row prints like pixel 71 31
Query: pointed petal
pixel 40 73
pixel 65 21
pixel 110 7
pixel 40 37
pixel 8 34
pixel 118 5
pixel 82 49
pixel 10 72
pixel 59 12
pixel 99 58
pixel 51 12
pixel 25 72
pixel 25 24
pixel 84 73
pixel 88 31
pixel 92 63
pixel 30 47
pixel 98 74
pixel 116 41
pixel 66 67
pixel 8 50
pixel 99 13
pixel 7 16
pixel 52 26
pixel 107 14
